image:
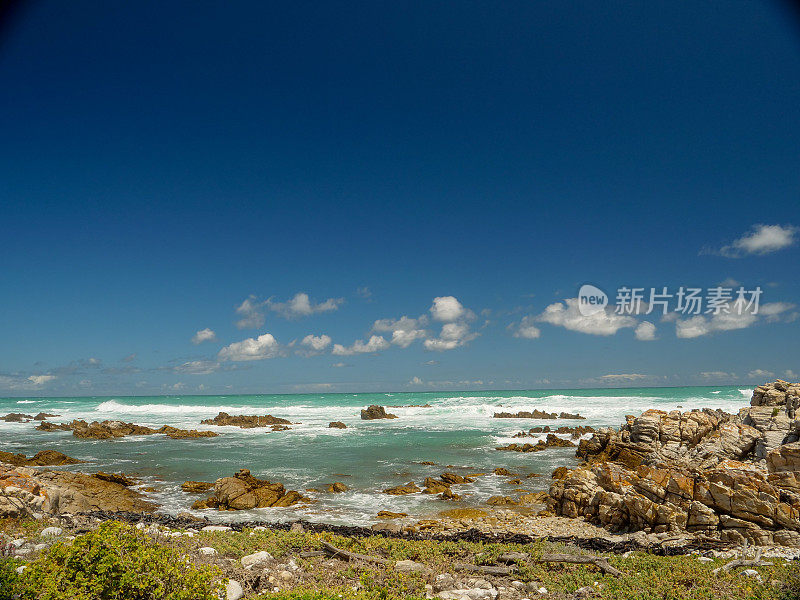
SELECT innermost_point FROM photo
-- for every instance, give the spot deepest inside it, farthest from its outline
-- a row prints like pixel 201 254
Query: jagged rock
pixel 503 472
pixel 182 434
pixel 119 478
pixel 243 492
pixel 386 514
pixel 401 490
pixel 501 501
pixel 698 471
pixel 245 421
pixel 435 486
pixel 106 430
pixel 376 412
pixel 535 414
pixel 552 441
pixel 575 432
pixel 336 425
pixel 43 415
pixel 336 488
pixel 16 418
pixel 196 487
pixel 45 458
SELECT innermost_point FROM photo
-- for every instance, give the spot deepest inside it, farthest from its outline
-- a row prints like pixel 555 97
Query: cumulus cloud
pixel 717 375
pixel 623 377
pixel 259 348
pixel 452 336
pixel 252 313
pixel 447 309
pixel 405 330
pixel 317 343
pixel 416 381
pixel 645 331
pixel 38 380
pixel 376 343
pixel 526 329
pixel 566 314
pixel 204 335
pixel 300 305
pixel 761 239
pixel 700 325
pixel 789 374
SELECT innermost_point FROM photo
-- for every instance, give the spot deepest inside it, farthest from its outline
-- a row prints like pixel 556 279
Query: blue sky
pixel 271 171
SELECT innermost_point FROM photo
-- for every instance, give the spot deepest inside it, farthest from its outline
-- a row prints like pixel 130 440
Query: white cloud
pixel 700 325
pixel 252 314
pixel 760 374
pixel 340 365
pixel 375 343
pixel 260 348
pixel 789 374
pixel 762 239
pixel 317 343
pixel 416 381
pixel 41 379
pixel 645 331
pixel 204 335
pixel 300 305
pixel 567 315
pixel 717 375
pixel 198 367
pixel 405 330
pixel 526 329
pixel 729 282
pixel 447 309
pixel 452 336
pixel 623 377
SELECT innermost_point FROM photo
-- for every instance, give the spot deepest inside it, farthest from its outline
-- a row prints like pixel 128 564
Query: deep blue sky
pixel 163 161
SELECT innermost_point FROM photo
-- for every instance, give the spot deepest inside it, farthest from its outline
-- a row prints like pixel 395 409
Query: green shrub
pixel 791 587
pixel 116 561
pixel 9 579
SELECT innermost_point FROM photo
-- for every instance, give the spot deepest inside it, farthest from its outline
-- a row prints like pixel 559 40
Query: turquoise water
pixel 457 432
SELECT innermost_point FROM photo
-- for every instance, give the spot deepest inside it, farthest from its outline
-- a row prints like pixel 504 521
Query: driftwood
pixel 743 561
pixel 335 552
pixel 489 570
pixel 582 559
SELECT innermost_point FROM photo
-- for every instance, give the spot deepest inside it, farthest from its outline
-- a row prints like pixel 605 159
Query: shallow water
pixel 368 456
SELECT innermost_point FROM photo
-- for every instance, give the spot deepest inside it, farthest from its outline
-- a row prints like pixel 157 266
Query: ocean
pixel 457 432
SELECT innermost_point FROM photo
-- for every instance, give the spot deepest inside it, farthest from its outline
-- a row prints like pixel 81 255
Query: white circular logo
pixel 591 300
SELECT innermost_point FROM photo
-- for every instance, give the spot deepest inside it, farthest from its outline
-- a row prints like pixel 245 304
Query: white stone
pixel 542 590
pixel 40 547
pixel 18 543
pixel 704 559
pixel 752 573
pixel 140 525
pixel 257 558
pixel 19 570
pixel 233 591
pixel 51 531
pixel 207 551
pixel 216 528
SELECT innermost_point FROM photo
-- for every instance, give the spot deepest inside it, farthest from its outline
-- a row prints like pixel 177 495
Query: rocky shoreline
pixel 686 478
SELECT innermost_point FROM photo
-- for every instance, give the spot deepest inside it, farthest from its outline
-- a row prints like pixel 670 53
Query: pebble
pixel 207 551
pixel 752 573
pixel 51 531
pixel 216 528
pixel 233 591
pixel 19 570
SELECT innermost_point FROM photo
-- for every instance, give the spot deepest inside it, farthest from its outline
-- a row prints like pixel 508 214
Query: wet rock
pixel 119 478
pixel 501 501
pixel 336 488
pixel 196 487
pixel 184 434
pixel 552 441
pixel 16 418
pixel 337 425
pixel 387 527
pixel 376 412
pixel 107 430
pixel 43 415
pixel 386 514
pixel 243 492
pixel 535 414
pixel 245 421
pixel 503 472
pixel 45 458
pixel 401 490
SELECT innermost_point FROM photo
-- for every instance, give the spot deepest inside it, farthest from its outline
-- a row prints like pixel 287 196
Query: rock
pixel 51 531
pixel 256 559
pixel 376 412
pixel 245 421
pixel 401 490
pixel 387 527
pixel 243 492
pixel 752 573
pixel 207 551
pixel 503 472
pixel 233 590
pixel 21 569
pixel 336 488
pixel 43 415
pixel 16 418
pixel 409 566
pixel 386 514
pixel 106 430
pixel 552 441
pixel 434 486
pixel 337 425
pixel 704 559
pixel 184 434
pixel 119 478
pixel 45 458
pixel 297 527
pixel 501 501
pixel 212 528
pixel 536 414
pixel 784 458
pixel 585 592
pixel 196 487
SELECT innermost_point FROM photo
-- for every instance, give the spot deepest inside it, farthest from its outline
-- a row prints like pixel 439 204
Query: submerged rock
pixel 552 441
pixel 336 425
pixel 196 487
pixel 376 412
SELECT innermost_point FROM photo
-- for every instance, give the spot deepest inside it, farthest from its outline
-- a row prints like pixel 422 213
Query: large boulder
pixel 245 421
pixel 243 492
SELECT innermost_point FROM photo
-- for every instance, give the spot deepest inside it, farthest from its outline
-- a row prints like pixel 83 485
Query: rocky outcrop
pixel 552 441
pixel 26 491
pixel 244 492
pixel 43 415
pixel 16 418
pixel 336 488
pixel 245 421
pixel 337 425
pixel 536 414
pixel 196 487
pixel 731 477
pixel 575 432
pixel 107 430
pixel 45 458
pixel 376 412
pixel 119 478
pixel 402 490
